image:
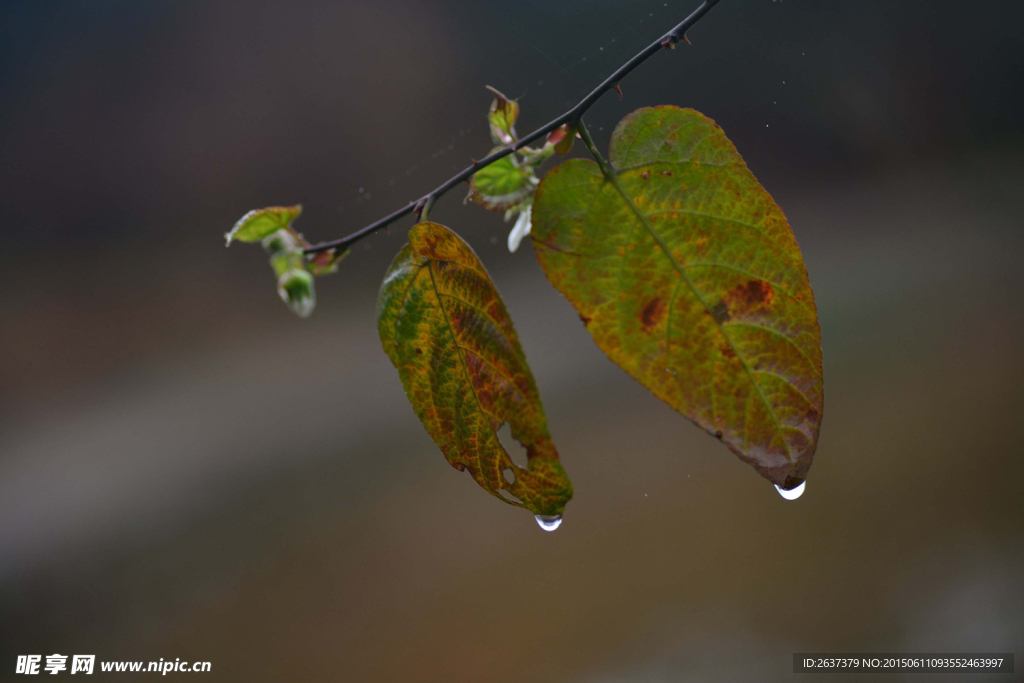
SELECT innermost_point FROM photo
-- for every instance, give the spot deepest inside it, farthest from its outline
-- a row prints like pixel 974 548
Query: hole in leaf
pixel 509 497
pixel 516 451
pixel 509 474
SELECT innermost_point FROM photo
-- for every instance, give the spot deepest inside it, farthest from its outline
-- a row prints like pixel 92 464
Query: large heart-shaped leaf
pixel 447 331
pixel 688 276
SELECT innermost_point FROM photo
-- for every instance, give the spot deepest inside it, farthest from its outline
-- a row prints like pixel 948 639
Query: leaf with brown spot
pixel 691 280
pixel 446 329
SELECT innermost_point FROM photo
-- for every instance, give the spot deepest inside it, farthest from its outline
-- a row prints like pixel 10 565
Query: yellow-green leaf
pixel 446 329
pixel 255 225
pixel 688 276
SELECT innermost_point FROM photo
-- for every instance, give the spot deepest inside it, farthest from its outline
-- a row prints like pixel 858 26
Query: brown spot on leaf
pixel 653 311
pixel 718 433
pixel 667 173
pixel 419 352
pixel 756 292
pixel 748 297
pixel 586 320
pixel 812 415
pixel 727 350
pixel 646 175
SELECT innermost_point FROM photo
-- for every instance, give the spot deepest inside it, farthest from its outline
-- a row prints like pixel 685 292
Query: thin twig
pixel 570 117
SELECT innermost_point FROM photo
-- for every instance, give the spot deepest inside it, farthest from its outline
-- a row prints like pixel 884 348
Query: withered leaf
pixel 446 329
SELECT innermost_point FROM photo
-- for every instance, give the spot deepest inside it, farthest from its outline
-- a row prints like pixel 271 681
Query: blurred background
pixel 187 470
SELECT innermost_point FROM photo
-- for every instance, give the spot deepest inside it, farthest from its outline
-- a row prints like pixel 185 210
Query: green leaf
pixel 502 118
pixel 295 287
pixel 688 276
pixel 502 185
pixel 285 251
pixel 294 281
pixel 446 329
pixel 255 225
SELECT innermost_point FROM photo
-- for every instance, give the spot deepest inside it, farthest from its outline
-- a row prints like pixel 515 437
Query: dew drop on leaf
pixel 551 522
pixel 791 494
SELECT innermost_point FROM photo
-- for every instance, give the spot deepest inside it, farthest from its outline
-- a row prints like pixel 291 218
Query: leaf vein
pixel 742 323
pixel 680 268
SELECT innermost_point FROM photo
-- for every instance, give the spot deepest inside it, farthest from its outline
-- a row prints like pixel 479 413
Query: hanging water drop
pixel 791 494
pixel 548 522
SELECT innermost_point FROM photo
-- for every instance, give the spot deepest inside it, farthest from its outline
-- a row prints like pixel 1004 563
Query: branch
pixel 423 204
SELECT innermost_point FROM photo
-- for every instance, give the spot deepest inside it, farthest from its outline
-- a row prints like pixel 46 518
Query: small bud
pixel 279 242
pixel 618 90
pixel 295 288
pixel 502 118
pixel 561 139
pixel 325 262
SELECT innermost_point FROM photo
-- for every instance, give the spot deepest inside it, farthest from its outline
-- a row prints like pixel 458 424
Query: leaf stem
pixel 422 205
pixel 594 151
pixel 426 204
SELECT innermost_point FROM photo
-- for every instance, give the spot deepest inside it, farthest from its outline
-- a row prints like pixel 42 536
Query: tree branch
pixel 423 204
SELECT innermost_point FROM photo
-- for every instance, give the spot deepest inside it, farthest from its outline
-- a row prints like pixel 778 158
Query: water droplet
pixel 792 494
pixel 548 522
